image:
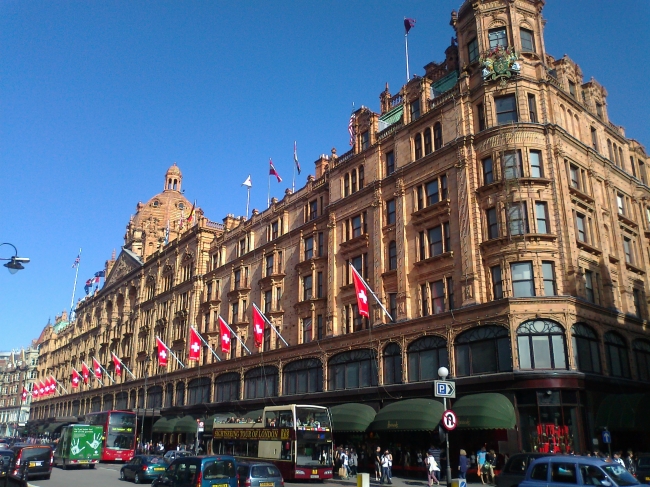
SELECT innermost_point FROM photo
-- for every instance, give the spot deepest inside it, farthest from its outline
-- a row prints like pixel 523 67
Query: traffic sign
pixel 200 426
pixel 607 437
pixel 449 420
pixel 444 388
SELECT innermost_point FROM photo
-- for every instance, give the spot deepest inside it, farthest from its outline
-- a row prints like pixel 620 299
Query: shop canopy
pixel 164 425
pixel 408 415
pixel 187 424
pixel 352 417
pixel 52 427
pixel 486 411
pixel 217 418
pixel 625 412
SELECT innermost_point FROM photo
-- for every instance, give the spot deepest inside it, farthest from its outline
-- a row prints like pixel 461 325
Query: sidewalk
pixel 397 482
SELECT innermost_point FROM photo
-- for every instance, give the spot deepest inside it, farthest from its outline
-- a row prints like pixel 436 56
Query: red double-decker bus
pixel 297 438
pixel 119 434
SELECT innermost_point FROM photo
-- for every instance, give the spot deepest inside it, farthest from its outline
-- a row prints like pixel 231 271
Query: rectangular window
pixel 517 219
pixel 497 282
pixel 392 305
pixel 589 287
pixel 435 241
pixel 450 292
pixel 422 246
pixel 306 330
pixel 319 285
pixel 415 109
pixel 572 89
pixel 620 203
pixel 506 108
pixel 390 212
pixel 488 171
pixel 438 297
pixel 536 164
pixel 594 139
pixel 472 50
pixel 512 165
pixel 548 273
pixel 480 109
pixel 417 144
pixel 364 140
pixel 424 299
pixel 390 163
pixel 527 40
pixel 237 278
pixel 309 248
pixel 492 223
pixel 306 288
pixel 541 215
pixel 599 110
pixel 234 314
pixel 275 230
pixel 581 226
pixel 636 295
pixel 498 37
pixel 523 284
pixel 574 174
pixel 313 210
pixel 319 327
pixel 268 301
pixel 356 226
pixel 627 248
pixel 532 108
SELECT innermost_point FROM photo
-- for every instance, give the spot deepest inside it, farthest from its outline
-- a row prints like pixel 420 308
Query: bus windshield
pixel 313 448
pixel 121 431
pixel 312 417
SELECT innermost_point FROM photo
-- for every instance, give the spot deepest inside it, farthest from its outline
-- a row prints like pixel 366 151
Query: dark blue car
pixel 569 470
pixel 211 471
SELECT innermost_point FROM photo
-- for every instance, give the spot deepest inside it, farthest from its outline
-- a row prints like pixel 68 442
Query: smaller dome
pixel 173 179
pixel 174 171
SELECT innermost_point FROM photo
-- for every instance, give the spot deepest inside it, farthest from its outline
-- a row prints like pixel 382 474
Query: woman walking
pixel 432 468
pixel 462 465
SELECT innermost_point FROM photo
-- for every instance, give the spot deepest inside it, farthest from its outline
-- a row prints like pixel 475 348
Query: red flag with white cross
pixel 162 352
pixel 117 363
pixel 75 378
pixel 25 394
pixel 97 369
pixel 361 292
pixel 195 345
pixel 224 333
pixel 53 385
pixel 85 372
pixel 258 327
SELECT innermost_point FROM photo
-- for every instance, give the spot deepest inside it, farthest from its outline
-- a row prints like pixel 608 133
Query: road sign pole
pixel 448 473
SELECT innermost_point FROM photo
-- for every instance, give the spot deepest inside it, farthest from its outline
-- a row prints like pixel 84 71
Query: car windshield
pixel 644 462
pixel 262 471
pixel 620 475
pixel 219 469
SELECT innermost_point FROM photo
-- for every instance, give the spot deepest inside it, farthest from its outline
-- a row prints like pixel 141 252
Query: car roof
pixel 249 463
pixel 573 459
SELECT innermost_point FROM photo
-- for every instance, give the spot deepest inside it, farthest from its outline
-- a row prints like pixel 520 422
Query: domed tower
pixel 160 219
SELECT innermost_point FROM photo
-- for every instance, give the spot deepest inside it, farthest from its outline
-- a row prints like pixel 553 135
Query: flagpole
pixel 74 288
pixel 206 343
pixel 248 201
pixel 173 354
pixel 371 292
pixel 60 385
pixel 268 198
pixel 293 183
pixel 271 325
pixel 105 371
pixel 236 336
pixel 406 42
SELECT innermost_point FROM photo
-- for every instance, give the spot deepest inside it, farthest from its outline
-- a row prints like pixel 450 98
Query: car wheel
pixel 122 475
pixel 136 478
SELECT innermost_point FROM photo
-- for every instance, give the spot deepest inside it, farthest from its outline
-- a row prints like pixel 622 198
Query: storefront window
pixel 350 370
pixel 482 350
pixel 425 356
pixel 618 361
pixel 392 364
pixel 303 376
pixel 586 348
pixel 642 353
pixel 541 345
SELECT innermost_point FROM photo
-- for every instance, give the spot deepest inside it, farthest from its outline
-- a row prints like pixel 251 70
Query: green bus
pixel 79 444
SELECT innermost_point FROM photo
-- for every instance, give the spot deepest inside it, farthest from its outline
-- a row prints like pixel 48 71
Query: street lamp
pixel 15 263
pixel 443 372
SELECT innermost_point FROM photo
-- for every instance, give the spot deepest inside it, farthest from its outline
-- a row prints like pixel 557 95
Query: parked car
pixel 515 468
pixel 38 459
pixel 643 469
pixel 143 468
pixel 259 474
pixel 6 456
pixel 218 470
pixel 172 455
pixel 562 470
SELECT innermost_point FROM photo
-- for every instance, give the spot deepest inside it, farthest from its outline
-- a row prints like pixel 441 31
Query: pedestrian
pixel 618 459
pixel 462 465
pixel 353 462
pixel 345 461
pixel 390 466
pixel 488 466
pixel 432 469
pixel 385 469
pixel 480 462
pixel 630 463
pixel 378 470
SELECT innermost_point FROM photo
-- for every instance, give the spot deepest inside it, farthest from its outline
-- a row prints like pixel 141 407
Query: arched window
pixel 425 356
pixel 261 382
pixel 417 145
pixel 361 176
pixel 121 401
pixel 107 403
pixel 610 150
pixel 199 391
pixel 483 350
pixel 96 404
pixel 346 185
pixel 132 404
pixel 180 394
pixel 392 364
pixel 427 141
pixel 586 348
pixel 76 405
pixel 302 376
pixel 437 136
pixel 353 369
pixel 392 255
pixel 227 387
pixel 642 354
pixel 618 361
pixel 354 181
pixel 541 345
pixel 169 395
pixel 154 397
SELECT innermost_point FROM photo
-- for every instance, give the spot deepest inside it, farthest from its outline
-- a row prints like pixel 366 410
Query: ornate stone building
pixel 17 371
pixel 491 204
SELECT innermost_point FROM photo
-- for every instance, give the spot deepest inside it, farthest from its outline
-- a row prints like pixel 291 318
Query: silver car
pixel 172 455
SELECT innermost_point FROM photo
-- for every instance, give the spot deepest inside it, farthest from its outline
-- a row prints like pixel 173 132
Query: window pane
pixel 428 365
pixel 462 360
pixel 541 352
pixel 535 164
pixel 352 375
pixel 505 359
pixel 558 351
pixel 522 279
pixel 414 368
pixel 483 357
pixel 524 352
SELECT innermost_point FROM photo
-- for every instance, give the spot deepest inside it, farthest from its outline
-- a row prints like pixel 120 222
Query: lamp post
pixel 144 399
pixel 443 372
pixel 15 263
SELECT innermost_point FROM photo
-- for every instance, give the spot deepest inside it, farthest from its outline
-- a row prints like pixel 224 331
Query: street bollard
pixel 363 480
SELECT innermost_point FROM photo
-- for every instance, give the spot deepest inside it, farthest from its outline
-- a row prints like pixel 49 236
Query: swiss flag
pixel 35 390
pixel 195 345
pixel 361 292
pixel 117 363
pixel 75 378
pixel 162 352
pixel 49 387
pixel 258 327
pixel 41 389
pixel 224 333
pixel 85 373
pixel 52 385
pixel 25 394
pixel 97 369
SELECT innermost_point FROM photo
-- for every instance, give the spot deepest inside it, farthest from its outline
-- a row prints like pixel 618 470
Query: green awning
pixel 625 412
pixel 487 411
pixel 352 417
pixel 187 424
pixel 445 83
pixel 217 418
pixel 391 117
pixel 164 425
pixel 52 427
pixel 408 415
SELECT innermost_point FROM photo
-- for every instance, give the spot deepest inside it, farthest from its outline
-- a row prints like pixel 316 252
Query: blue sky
pixel 98 99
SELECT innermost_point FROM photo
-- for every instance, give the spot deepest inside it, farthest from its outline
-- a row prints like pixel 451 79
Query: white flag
pixel 248 183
